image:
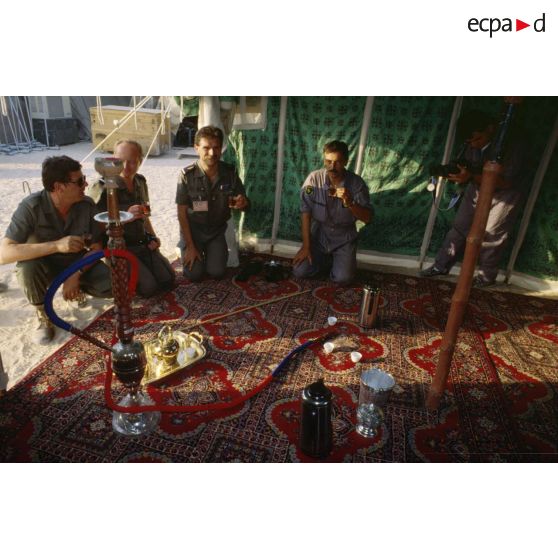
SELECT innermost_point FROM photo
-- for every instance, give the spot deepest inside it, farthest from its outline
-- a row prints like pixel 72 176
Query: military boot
pixel 44 333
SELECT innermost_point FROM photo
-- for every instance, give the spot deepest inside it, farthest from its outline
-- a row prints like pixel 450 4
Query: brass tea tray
pixel 191 349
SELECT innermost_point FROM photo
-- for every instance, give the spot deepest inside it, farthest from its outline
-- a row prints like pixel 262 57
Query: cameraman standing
pixel 478 129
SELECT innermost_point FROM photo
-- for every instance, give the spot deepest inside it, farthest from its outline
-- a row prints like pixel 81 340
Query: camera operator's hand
pixel 463 177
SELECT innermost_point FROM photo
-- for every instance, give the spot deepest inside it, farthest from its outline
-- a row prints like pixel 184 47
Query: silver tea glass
pixel 376 386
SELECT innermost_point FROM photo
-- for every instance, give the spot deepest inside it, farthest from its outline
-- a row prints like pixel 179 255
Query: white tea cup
pixel 356 356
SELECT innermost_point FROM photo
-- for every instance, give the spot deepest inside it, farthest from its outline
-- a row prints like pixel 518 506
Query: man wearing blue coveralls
pixel 331 201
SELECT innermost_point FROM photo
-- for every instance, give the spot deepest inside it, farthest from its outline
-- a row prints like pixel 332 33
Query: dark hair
pixel 337 146
pixel 473 121
pixel 58 169
pixel 209 132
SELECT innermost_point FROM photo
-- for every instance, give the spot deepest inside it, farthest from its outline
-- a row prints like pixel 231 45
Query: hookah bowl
pixel 108 167
pixel 128 362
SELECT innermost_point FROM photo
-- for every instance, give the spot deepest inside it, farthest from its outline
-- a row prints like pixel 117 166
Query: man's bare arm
pixel 12 251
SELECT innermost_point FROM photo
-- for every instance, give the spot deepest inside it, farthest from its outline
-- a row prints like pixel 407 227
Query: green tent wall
pixel 406 135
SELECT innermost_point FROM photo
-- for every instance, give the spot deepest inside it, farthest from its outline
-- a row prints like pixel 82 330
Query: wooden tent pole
pixel 490 172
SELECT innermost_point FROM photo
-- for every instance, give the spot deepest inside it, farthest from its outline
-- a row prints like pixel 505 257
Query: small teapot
pixel 167 346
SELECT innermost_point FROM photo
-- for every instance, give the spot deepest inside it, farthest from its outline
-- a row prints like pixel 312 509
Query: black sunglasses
pixel 80 182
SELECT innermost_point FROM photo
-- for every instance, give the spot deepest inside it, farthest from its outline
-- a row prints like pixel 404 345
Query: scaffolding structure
pixel 16 127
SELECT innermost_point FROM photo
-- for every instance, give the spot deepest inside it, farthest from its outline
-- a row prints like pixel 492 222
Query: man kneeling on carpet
pixel 48 232
pixel 332 199
pixel 155 272
pixel 206 192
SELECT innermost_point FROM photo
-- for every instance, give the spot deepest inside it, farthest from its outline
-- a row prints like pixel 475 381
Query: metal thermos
pixel 369 306
pixel 316 432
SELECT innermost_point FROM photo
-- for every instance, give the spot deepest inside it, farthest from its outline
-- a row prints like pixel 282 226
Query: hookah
pixel 128 358
pixel 136 413
pixel 128 355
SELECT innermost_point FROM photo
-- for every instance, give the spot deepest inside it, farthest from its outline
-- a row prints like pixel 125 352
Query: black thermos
pixel 316 434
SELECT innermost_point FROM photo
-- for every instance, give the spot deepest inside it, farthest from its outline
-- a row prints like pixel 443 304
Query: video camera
pixel 450 168
pixel 453 166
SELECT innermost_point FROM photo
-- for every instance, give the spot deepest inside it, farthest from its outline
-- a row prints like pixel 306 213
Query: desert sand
pixel 17 318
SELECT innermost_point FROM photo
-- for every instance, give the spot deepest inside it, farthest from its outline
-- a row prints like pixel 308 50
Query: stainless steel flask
pixel 369 306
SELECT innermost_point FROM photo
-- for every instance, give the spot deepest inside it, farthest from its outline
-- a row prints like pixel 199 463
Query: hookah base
pixel 135 424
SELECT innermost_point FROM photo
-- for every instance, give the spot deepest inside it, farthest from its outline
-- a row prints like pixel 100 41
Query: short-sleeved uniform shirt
pixel 332 224
pixel 207 202
pixel 36 220
pixel 134 232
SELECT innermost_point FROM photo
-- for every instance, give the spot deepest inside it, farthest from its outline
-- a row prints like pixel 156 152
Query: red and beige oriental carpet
pixel 501 402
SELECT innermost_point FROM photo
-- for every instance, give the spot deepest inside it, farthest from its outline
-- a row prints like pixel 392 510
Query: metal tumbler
pixel 369 306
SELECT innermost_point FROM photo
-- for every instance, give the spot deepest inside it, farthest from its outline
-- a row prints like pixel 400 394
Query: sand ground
pixel 17 318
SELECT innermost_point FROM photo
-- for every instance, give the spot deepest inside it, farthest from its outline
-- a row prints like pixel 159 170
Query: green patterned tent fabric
pixel 405 136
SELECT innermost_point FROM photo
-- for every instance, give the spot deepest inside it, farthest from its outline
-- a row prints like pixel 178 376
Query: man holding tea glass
pixel 155 272
pixel 332 199
pixel 48 232
pixel 207 191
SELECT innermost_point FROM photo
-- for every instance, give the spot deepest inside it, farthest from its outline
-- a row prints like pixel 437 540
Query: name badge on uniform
pixel 200 205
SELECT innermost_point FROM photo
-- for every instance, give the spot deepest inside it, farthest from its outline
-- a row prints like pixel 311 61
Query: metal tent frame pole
pixel 30 119
pixel 12 130
pixel 450 140
pixel 533 195
pixel 364 133
pixel 279 171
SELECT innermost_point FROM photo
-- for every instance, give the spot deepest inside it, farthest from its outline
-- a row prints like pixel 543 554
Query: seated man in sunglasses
pixel 47 233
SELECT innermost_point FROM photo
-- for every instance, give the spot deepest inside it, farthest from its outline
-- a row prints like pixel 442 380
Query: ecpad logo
pixel 493 25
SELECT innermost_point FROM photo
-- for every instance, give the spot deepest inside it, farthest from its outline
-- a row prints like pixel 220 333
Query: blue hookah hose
pixel 89 259
pixel 59 279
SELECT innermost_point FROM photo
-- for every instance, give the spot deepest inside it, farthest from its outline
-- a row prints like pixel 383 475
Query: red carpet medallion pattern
pixel 500 404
